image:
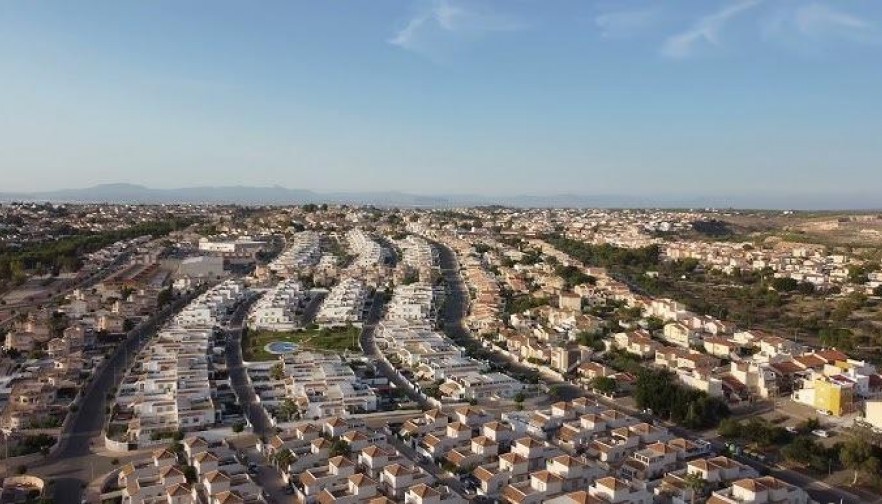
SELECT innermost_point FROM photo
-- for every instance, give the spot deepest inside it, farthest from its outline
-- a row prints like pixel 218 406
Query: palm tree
pixel 283 459
pixel 696 483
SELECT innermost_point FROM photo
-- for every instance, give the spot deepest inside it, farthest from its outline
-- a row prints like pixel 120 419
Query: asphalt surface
pixel 254 412
pixel 456 306
pixel 370 349
pixel 73 464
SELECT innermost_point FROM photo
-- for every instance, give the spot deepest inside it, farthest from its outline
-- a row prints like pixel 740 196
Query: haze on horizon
pixel 445 96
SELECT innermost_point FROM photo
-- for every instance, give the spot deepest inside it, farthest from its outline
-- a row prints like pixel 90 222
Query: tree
pixel 164 297
pixel 277 372
pixel 659 390
pixel 729 428
pixel 191 474
pixel 878 291
pixel 696 483
pixel 287 410
pixel 340 447
pixel 807 452
pixel 283 458
pixel 555 391
pixel 591 339
pixel 784 284
pixel 857 454
pixel 858 274
pixel 605 385
pixel 238 427
pixel 806 288
pixel 808 425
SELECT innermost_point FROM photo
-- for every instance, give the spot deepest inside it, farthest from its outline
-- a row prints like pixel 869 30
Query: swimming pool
pixel 281 347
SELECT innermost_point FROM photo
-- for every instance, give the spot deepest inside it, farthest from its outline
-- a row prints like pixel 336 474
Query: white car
pixel 824 412
pixel 821 433
pixel 791 429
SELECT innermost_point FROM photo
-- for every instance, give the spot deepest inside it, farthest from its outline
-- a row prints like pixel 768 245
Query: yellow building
pixel 834 395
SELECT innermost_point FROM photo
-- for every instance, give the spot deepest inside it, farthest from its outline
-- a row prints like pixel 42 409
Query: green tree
pixel 858 455
pixel 593 339
pixel 340 447
pixel 277 372
pixel 287 411
pixel 785 284
pixel 729 428
pixel 283 458
pixel 605 385
pixel 696 483
pixel 191 474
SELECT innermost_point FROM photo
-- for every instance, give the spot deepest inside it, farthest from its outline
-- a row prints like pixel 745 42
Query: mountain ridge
pixel 278 195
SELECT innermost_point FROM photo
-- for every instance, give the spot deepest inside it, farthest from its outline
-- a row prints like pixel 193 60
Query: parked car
pixel 821 433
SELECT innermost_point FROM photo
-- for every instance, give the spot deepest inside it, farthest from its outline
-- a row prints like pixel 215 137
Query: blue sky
pixel 448 96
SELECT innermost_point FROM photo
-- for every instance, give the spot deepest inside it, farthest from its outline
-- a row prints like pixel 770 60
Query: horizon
pixel 434 97
pixel 125 192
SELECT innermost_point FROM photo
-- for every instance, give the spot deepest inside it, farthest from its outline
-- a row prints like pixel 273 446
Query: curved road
pixel 456 307
pixel 370 349
pixel 73 462
pixel 254 412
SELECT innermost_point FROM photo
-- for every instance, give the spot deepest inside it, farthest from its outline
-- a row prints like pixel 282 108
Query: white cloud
pixel 445 19
pixel 817 18
pixel 810 27
pixel 622 24
pixel 706 30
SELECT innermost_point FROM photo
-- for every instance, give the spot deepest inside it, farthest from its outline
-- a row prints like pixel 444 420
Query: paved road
pixel 254 411
pixel 456 304
pixel 369 347
pixel 312 309
pixel 73 463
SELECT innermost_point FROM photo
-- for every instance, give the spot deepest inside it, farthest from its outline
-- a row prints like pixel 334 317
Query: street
pixel 73 463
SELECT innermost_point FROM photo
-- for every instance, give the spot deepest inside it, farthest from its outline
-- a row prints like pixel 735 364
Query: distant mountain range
pixel 276 195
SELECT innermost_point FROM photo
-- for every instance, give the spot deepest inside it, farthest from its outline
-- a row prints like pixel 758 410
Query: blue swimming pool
pixel 281 347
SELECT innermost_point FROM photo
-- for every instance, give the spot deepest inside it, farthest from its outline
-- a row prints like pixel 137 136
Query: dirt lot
pixel 828 229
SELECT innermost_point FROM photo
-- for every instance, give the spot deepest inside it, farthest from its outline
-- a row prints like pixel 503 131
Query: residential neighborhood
pixel 310 355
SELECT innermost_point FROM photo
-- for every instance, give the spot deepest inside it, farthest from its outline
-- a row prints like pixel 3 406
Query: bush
pixel 238 427
pixel 785 284
pixel 757 431
pixel 659 391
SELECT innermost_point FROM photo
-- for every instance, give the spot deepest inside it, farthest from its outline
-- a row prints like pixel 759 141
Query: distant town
pixel 321 353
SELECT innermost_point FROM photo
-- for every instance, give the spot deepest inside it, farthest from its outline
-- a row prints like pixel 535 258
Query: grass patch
pixel 336 340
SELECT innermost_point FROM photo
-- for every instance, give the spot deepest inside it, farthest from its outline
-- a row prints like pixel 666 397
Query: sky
pixel 707 97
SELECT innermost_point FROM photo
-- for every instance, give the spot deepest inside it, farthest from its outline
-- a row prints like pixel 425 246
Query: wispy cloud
pixel 706 30
pixel 818 18
pixel 809 27
pixel 625 23
pixel 446 20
